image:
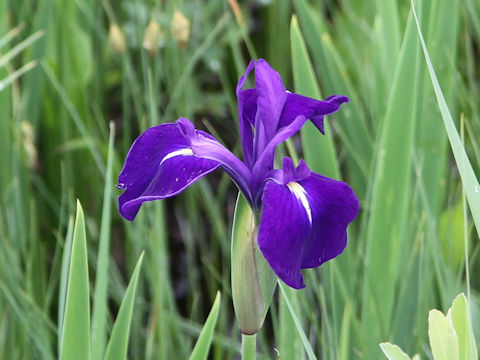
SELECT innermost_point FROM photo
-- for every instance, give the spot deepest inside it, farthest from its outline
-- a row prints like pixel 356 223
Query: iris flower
pixel 303 215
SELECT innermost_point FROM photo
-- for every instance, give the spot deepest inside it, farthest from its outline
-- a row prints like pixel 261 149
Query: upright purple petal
pixel 312 109
pixel 271 98
pixel 264 161
pixel 304 220
pixel 166 159
pixel 247 108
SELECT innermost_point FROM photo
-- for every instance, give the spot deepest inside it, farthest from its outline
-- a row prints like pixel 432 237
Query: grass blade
pixel 118 343
pixel 469 180
pixel 306 344
pixel 202 347
pixel 75 342
pixel 99 315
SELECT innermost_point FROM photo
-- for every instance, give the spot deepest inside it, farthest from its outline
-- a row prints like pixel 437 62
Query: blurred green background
pixel 71 72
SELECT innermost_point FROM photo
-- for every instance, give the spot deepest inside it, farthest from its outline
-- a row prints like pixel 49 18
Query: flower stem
pixel 249 347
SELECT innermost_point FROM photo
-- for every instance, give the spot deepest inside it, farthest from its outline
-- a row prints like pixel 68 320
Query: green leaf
pixel 386 242
pixel 306 344
pixel 393 352
pixel 202 347
pixel 118 343
pixel 75 342
pixel 459 316
pixel 99 315
pixel 443 339
pixel 314 143
pixel 469 180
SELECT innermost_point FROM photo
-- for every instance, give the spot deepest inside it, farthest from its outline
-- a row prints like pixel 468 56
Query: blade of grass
pixel 118 343
pixel 75 342
pixel 306 344
pixel 202 346
pixel 469 180
pixel 21 46
pixel 99 314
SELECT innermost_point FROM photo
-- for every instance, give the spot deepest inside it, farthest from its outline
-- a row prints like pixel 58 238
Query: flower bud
pixel 253 280
pixel 180 28
pixel 116 38
pixel 154 37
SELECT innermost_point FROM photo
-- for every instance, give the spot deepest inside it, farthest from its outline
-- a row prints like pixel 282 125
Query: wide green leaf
pixel 118 343
pixel 386 241
pixel 443 339
pixel 314 143
pixel 393 352
pixel 459 316
pixel 75 342
pixel 202 347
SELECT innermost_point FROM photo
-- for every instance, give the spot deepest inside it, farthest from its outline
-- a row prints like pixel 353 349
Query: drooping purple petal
pixel 166 159
pixel 160 164
pixel 334 205
pixel 271 98
pixel 312 109
pixel 284 226
pixel 304 220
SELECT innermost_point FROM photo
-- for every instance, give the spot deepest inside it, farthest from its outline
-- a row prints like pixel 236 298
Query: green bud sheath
pixel 253 281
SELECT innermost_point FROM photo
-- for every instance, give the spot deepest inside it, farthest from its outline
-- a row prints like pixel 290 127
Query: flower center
pixel 300 194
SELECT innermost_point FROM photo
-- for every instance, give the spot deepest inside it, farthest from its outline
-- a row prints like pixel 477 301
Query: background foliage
pixel 68 69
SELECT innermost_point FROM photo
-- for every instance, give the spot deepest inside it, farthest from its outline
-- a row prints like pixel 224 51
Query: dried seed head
pixel 154 37
pixel 180 28
pixel 28 140
pixel 116 38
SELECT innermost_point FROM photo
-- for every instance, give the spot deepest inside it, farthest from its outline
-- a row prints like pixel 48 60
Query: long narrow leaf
pixel 118 343
pixel 99 315
pixel 202 347
pixel 386 243
pixel 306 344
pixel 469 180
pixel 75 343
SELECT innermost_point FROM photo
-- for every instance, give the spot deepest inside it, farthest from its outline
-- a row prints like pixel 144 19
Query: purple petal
pixel 284 226
pixel 159 164
pixel 247 108
pixel 271 98
pixel 334 205
pixel 312 109
pixel 166 159
pixel 303 221
pixel 264 162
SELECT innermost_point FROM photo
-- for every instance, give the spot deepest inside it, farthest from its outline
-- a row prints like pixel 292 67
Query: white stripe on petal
pixel 181 152
pixel 300 194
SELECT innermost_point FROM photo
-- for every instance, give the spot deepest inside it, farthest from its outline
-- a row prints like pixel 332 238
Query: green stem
pixel 249 347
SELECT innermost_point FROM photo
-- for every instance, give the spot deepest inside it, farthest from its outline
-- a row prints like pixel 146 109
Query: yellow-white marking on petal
pixel 300 194
pixel 181 152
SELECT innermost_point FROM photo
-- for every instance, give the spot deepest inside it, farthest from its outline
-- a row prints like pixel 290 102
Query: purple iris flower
pixel 304 215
